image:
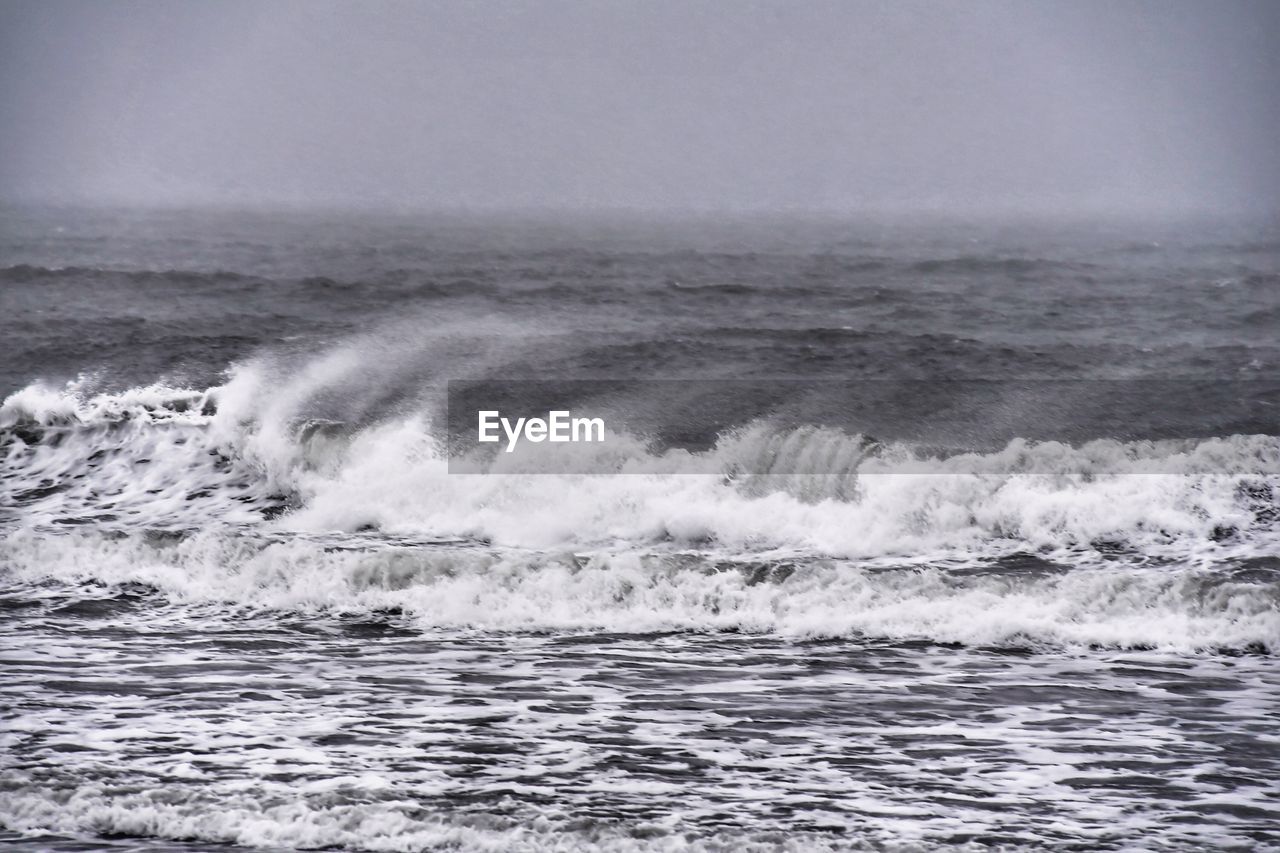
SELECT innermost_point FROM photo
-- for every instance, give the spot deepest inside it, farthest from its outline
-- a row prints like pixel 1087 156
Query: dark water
pixel 244 602
pixel 180 295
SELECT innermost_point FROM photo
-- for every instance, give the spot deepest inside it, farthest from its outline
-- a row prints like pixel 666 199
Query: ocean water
pixel 247 602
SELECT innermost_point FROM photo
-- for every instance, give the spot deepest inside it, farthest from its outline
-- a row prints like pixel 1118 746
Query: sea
pixel 919 532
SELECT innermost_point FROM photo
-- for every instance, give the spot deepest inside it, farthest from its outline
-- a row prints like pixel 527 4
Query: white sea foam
pixel 1152 529
pixel 163 457
pixel 276 819
pixel 464 587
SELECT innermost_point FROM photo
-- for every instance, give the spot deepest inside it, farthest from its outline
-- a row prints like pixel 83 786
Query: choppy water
pixel 245 602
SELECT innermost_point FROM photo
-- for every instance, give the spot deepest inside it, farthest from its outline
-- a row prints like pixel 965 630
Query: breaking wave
pixel 1020 600
pixel 313 455
pixel 304 492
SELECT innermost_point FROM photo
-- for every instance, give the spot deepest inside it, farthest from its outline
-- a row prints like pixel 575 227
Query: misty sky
pixel 852 105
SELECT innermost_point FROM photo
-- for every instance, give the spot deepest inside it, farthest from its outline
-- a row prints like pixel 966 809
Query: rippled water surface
pixel 128 716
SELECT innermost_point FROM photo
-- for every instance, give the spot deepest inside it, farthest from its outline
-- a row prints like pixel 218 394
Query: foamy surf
pixel 253 453
pixel 1165 542
pixel 1020 601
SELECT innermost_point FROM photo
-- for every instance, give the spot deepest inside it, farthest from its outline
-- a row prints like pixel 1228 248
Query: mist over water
pixel 872 105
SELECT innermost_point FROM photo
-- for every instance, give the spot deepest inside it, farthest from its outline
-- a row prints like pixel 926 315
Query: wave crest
pixel 254 448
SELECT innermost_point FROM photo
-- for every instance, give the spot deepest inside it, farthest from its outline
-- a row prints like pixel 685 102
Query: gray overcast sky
pixel 1132 104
